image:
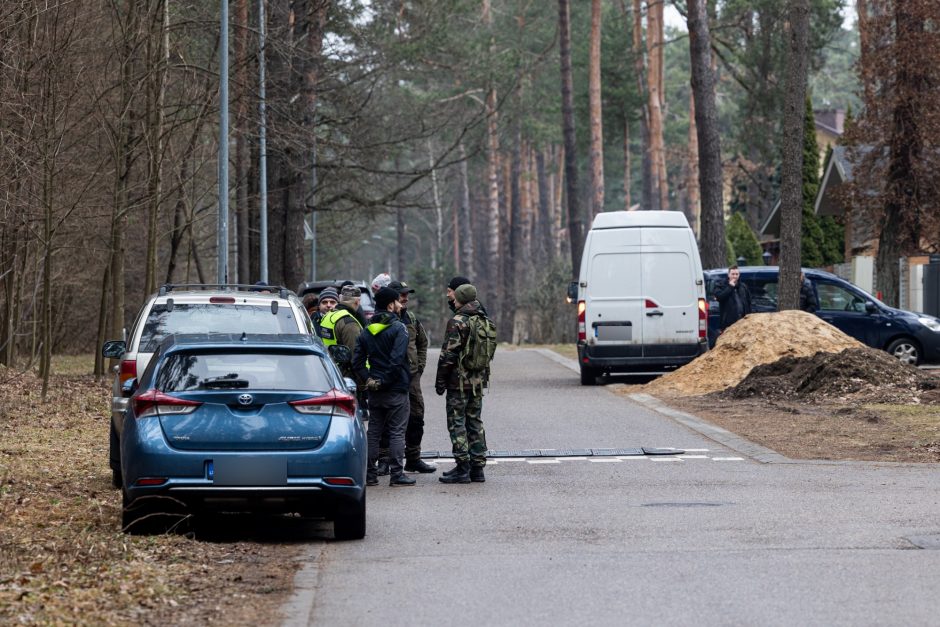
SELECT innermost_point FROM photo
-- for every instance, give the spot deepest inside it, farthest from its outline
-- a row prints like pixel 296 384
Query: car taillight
pixel 702 319
pixel 333 402
pixel 128 370
pixel 156 403
pixel 582 326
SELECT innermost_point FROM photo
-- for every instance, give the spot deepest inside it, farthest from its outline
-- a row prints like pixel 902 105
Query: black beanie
pixel 384 297
pixel 457 281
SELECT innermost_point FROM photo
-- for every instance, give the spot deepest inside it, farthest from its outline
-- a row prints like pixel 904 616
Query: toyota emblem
pixel 245 399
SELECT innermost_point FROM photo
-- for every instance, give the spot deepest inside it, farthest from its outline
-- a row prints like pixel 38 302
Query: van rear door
pixel 614 304
pixel 671 307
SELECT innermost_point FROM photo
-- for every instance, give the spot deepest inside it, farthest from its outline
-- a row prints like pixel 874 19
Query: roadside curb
pixel 722 436
pixel 296 612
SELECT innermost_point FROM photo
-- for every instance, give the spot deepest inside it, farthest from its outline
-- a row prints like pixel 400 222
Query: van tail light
pixel 334 402
pixel 156 403
pixel 128 370
pixel 702 319
pixel 582 327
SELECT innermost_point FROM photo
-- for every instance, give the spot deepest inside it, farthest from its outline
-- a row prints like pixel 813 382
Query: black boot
pixel 476 474
pixel 382 468
pixel 419 465
pixel 401 480
pixel 460 474
pixel 371 477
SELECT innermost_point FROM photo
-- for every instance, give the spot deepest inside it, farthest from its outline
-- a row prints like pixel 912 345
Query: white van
pixel 641 295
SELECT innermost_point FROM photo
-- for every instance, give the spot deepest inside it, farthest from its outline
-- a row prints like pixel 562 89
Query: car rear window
pixel 182 372
pixel 213 318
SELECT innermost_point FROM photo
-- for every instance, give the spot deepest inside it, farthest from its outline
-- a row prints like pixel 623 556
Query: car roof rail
pixel 282 291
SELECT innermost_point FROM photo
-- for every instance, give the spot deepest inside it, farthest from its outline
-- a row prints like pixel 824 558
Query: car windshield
pixel 183 372
pixel 213 318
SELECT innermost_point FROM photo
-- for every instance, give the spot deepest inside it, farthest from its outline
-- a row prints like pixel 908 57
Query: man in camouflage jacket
pixel 464 393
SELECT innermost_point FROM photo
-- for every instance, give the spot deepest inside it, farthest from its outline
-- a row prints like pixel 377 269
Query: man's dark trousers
pixel 388 412
pixel 414 432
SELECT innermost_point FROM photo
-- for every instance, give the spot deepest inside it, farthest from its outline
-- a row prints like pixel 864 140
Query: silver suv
pixel 198 308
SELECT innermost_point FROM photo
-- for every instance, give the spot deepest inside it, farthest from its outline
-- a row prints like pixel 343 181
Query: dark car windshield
pixel 182 372
pixel 213 318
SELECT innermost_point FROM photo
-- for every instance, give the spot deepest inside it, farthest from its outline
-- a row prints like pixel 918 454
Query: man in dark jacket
pixel 384 345
pixel 808 300
pixel 417 360
pixel 464 393
pixel 734 299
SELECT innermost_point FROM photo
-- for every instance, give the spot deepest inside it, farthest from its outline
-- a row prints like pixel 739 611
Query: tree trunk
pixel 596 113
pixel 791 185
pixel 466 227
pixel 575 220
pixel 639 67
pixel 654 79
pixel 438 242
pixel 400 245
pixel 710 181
pixel 101 336
pixel 242 145
pixel 692 182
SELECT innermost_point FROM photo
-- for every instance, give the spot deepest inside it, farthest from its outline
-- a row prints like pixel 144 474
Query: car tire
pixel 906 350
pixel 351 524
pixel 114 459
pixel 589 375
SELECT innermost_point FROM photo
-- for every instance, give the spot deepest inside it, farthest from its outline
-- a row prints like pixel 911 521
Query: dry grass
pixel 63 557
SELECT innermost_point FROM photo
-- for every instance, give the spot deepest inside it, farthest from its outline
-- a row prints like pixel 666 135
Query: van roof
pixel 634 219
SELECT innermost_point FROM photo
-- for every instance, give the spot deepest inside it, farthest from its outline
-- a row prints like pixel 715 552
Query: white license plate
pixel 250 471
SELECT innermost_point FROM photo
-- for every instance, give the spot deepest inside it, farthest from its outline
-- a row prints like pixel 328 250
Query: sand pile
pixel 761 338
pixel 859 374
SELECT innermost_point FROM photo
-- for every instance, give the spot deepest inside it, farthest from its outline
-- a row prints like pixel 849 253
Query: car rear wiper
pixel 230 380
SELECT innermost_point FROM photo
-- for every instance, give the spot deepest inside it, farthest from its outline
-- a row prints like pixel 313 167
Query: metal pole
pixel 262 146
pixel 313 212
pixel 223 146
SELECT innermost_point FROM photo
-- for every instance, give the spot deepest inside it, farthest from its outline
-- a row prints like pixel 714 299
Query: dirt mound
pixel 864 374
pixel 761 338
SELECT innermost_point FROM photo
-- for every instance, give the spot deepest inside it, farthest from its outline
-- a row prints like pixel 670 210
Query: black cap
pixel 401 287
pixel 384 297
pixel 457 281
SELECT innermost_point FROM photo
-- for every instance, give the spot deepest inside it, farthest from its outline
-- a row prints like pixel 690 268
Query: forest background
pixel 427 137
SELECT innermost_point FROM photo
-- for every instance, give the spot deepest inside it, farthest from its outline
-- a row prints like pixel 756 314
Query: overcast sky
pixel 674 19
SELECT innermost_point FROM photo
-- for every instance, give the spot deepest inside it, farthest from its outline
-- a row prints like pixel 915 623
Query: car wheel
pixel 906 350
pixel 114 459
pixel 351 524
pixel 589 375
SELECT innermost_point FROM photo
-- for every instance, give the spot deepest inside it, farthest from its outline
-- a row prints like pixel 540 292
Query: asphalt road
pixel 714 537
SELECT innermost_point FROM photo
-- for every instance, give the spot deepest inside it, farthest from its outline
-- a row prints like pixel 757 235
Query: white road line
pixel 728 459
pixel 573 459
pixel 544 461
pixel 512 459
pixel 665 459
pixel 630 457
pixel 696 450
pixel 605 460
pixel 693 456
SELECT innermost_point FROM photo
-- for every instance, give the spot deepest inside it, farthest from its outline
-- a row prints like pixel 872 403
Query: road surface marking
pixel 605 460
pixel 665 459
pixel 544 461
pixel 693 457
pixel 728 459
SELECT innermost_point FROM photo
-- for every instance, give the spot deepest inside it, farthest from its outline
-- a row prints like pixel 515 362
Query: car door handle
pixel 654 313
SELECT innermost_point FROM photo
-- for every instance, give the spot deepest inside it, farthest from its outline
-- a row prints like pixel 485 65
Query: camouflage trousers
pixel 465 424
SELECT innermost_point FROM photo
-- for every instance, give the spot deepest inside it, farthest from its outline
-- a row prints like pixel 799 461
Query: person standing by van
pixel 734 299
pixel 808 301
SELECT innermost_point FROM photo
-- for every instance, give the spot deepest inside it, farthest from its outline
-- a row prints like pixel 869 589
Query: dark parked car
pixel 911 337
pixel 243 423
pixel 315 287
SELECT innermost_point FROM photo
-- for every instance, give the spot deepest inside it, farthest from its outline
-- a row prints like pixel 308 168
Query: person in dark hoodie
pixel 733 298
pixel 384 345
pixel 464 392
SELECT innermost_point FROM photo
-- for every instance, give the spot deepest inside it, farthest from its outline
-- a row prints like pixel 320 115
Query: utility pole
pixel 222 275
pixel 262 146
pixel 313 212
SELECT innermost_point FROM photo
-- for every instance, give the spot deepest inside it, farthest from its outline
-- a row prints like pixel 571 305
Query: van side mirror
pixel 114 349
pixel 572 291
pixel 870 307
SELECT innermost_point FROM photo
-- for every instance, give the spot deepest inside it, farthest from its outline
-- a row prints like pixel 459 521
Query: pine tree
pixel 812 237
pixel 743 241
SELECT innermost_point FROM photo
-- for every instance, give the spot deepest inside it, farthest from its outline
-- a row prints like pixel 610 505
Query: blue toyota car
pixel 240 423
pixel 911 337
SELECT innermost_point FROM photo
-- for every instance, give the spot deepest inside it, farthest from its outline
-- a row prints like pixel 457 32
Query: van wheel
pixel 906 350
pixel 589 375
